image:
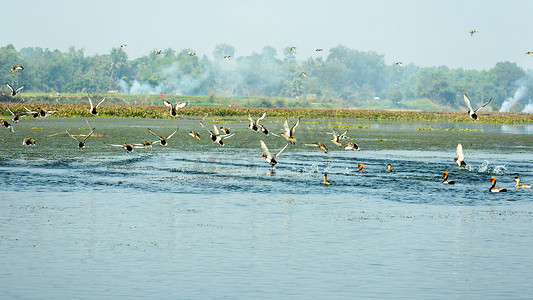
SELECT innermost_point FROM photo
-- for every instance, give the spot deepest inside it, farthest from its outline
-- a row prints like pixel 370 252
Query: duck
pixel 128 147
pixel 521 186
pixel 16 68
pixel 194 134
pixel 472 32
pixel 225 129
pixel 7 125
pixel 174 109
pixel 13 90
pixel 192 53
pixel 215 135
pixel 494 188
pixel 389 168
pixel 319 145
pixel 529 53
pixel 254 125
pixel 40 113
pixel 157 52
pixel 360 167
pixel 28 142
pixel 81 144
pixel 16 117
pixel 271 159
pixel 446 181
pixel 303 74
pixel 162 140
pixel 123 46
pixel 292 49
pixel 94 108
pixel 227 57
pixel 326 181
pixel 460 159
pixel 319 49
pixel 399 64
pixel 289 133
pixel 146 145
pixel 351 146
pixel 338 137
pixel 472 112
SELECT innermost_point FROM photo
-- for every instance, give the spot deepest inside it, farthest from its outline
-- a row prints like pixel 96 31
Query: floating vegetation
pixel 36 128
pixel 381 140
pixel 449 129
pixel 349 126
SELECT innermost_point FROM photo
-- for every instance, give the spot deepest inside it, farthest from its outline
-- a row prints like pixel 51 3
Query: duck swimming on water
pixel 326 181
pixel 521 186
pixel 446 181
pixel 494 188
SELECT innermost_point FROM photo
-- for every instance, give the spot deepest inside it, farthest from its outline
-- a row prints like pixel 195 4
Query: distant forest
pixel 347 77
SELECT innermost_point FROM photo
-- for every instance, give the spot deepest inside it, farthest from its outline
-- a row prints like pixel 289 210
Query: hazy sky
pixel 423 32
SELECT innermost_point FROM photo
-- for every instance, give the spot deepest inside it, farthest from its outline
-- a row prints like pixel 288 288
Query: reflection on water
pixel 194 220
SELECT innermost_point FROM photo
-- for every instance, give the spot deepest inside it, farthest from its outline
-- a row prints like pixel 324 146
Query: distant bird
pixel 162 140
pixel 460 159
pixel 6 125
pixel 192 53
pixel 400 64
pixel 81 144
pixel 472 32
pixel 94 108
pixel 225 129
pixel 157 52
pixel 530 53
pixel 194 134
pixel 174 109
pixel 521 186
pixel 446 181
pixel 292 49
pixel 338 137
pixel 319 145
pixel 13 91
pixel 494 188
pixel 17 67
pixel 146 145
pixel 28 142
pixel 123 46
pixel 40 113
pixel 389 168
pixel 16 117
pixel 254 125
pixel 215 135
pixel 271 159
pixel 227 57
pixel 351 146
pixel 303 74
pixel 326 181
pixel 128 147
pixel 288 134
pixel 472 112
pixel 360 167
pixel 319 49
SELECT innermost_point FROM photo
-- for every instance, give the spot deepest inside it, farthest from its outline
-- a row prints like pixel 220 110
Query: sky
pixel 423 32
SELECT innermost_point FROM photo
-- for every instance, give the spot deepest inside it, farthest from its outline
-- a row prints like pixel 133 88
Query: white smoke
pixel 518 95
pixel 529 107
pixel 138 88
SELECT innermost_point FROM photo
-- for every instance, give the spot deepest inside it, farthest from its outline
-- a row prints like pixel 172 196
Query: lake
pixel 194 220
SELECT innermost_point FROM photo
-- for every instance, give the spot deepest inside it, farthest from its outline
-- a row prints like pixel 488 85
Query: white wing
pixel 467 102
pixel 30 111
pixel 167 103
pixel 153 133
pixel 459 151
pixel 202 124
pixel 10 87
pixel 99 102
pixel 265 149
pixel 294 127
pixel 286 127
pixel 10 111
pixel 72 136
pixel 222 137
pixel 487 103
pixel 172 133
pixel 279 152
pixel 181 105
pixel 215 130
pixel 251 120
pixel 90 133
pixel 20 88
pixel 262 117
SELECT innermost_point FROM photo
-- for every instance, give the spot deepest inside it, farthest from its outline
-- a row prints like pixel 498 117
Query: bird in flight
pixel 16 117
pixel 123 46
pixel 472 32
pixel 174 108
pixel 303 74
pixel 13 90
pixel 17 67
pixel 319 49
pixel 192 53
pixel 271 159
pixel 157 52
pixel 472 112
pixel 162 140
pixel 288 134
pixel 94 108
pixel 460 159
pixel 530 53
pixel 400 64
pixel 227 57
pixel 292 49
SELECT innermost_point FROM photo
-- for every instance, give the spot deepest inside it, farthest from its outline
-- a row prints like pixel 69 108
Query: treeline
pixel 346 76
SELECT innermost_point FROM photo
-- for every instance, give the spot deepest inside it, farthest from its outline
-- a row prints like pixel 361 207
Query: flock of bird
pixel 254 125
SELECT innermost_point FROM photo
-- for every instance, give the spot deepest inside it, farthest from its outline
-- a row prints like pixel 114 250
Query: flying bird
pixel 123 46
pixel 128 147
pixel 271 159
pixel 17 67
pixel 157 52
pixel 225 129
pixel 338 137
pixel 319 145
pixel 40 113
pixel 399 63
pixel 227 57
pixel 351 146
pixel 81 144
pixel 192 53
pixel 303 74
pixel 254 125
pixel 530 53
pixel 472 32
pixel 174 108
pixel 194 134
pixel 215 135
pixel 28 142
pixel 319 49
pixel 16 117
pixel 6 125
pixel 162 140
pixel 288 134
pixel 94 108
pixel 326 181
pixel 460 159
pixel 13 90
pixel 472 112
pixel 292 49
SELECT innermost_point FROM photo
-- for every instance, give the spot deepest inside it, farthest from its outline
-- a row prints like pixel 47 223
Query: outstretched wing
pixel 223 137
pixel 72 136
pixel 172 133
pixel 202 124
pixel 286 127
pixel 294 127
pixel 467 102
pixel 181 105
pixel 167 103
pixel 10 111
pixel 30 111
pixel 20 88
pixel 100 102
pixel 10 87
pixel 262 117
pixel 90 102
pixel 343 135
pixel 279 152
pixel 250 118
pixel 265 149
pixel 487 103
pixel 459 151
pixel 149 130
pixel 90 133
